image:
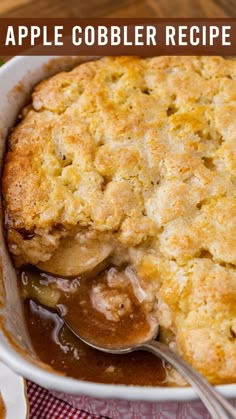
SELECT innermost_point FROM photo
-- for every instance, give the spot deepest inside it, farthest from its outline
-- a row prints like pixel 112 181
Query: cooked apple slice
pixel 77 255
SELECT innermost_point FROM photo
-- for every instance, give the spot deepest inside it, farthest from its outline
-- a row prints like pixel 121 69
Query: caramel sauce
pixel 116 331
pixel 57 346
pixel 60 348
pixel 2 408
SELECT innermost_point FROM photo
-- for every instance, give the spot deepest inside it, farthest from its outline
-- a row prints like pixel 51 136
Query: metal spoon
pixel 217 406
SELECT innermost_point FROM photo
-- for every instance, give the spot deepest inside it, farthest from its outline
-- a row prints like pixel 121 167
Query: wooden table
pixel 117 8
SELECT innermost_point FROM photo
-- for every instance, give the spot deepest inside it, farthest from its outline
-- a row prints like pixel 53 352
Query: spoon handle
pixel 218 406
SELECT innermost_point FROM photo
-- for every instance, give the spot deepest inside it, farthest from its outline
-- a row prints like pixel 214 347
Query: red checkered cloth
pixel 44 406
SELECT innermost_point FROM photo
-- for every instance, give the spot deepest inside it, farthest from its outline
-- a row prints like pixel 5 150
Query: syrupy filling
pixel 108 308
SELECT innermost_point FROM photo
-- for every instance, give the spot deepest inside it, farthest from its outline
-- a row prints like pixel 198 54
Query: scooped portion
pixel 125 161
pixel 104 309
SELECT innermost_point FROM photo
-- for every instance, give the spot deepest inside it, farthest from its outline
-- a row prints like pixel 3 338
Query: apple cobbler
pixel 125 168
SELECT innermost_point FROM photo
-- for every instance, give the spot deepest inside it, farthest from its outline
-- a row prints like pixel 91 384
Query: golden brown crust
pixel 201 295
pixel 142 150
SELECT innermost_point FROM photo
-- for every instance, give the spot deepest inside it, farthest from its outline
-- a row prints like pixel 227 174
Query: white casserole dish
pixel 17 78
